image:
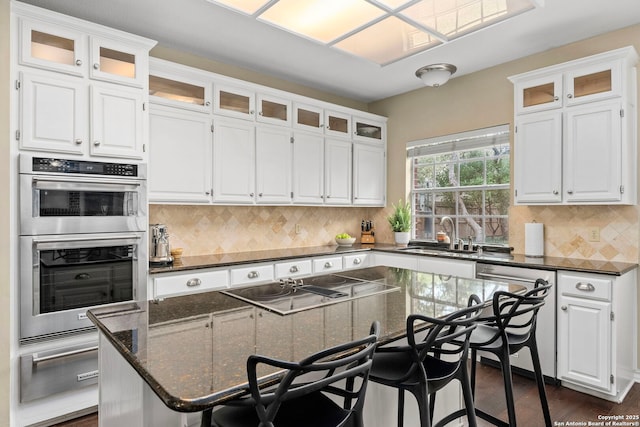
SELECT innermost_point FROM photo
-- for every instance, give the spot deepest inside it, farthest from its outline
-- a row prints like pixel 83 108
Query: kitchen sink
pixel 457 253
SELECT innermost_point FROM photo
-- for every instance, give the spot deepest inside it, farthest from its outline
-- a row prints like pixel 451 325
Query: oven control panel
pixel 51 165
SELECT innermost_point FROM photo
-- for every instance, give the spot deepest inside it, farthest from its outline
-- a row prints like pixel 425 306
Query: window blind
pixel 470 140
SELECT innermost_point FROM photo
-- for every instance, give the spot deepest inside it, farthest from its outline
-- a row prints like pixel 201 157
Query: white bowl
pixel 346 242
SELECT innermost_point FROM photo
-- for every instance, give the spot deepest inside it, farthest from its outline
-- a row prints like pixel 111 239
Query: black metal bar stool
pixel 418 367
pixel 300 397
pixel 511 328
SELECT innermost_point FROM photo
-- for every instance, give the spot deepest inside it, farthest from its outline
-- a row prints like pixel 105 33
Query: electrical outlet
pixel 594 234
pixel 297 228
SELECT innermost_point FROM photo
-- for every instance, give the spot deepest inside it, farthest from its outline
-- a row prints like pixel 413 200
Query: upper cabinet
pixel 251 144
pixel 81 88
pixel 575 132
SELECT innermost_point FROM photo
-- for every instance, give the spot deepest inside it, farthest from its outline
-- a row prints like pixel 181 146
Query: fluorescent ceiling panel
pixel 247 6
pixel 387 41
pixel 382 31
pixel 453 18
pixel 322 20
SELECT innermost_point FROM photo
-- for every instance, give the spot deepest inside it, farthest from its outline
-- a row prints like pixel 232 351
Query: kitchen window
pixel 464 176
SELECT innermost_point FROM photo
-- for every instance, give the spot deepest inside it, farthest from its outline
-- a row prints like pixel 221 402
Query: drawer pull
pixel 253 275
pixel 36 360
pixel 328 264
pixel 192 283
pixel 357 261
pixel 587 287
pixel 293 269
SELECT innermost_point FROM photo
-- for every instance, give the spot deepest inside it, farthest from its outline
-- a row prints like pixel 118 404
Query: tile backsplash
pixel 567 231
pixel 203 230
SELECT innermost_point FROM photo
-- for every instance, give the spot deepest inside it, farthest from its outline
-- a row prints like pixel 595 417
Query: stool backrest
pixel 322 371
pixel 517 313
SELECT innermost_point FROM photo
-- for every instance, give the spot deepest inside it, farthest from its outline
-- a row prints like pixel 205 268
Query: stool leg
pixel 474 354
pixel 400 407
pixel 421 394
pixel 535 358
pixel 505 366
pixel 468 397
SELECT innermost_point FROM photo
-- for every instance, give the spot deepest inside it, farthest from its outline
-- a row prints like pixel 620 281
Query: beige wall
pixel 485 98
pixel 5 306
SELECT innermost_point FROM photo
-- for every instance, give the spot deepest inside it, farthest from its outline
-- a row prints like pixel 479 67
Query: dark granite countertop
pixel 516 260
pixel 191 350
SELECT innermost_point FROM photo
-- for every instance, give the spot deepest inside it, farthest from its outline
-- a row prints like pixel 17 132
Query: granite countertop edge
pixel 517 260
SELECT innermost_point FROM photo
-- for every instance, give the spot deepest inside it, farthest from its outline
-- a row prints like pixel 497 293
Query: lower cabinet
pixel 449 267
pixel 596 344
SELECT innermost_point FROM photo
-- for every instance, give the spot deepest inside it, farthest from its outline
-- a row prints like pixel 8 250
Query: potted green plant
pixel 400 221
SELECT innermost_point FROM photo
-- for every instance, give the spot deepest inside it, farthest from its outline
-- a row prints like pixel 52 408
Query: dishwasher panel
pixel 546 326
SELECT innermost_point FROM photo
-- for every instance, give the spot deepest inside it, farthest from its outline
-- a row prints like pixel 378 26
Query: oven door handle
pixel 36 360
pixel 54 183
pixel 77 242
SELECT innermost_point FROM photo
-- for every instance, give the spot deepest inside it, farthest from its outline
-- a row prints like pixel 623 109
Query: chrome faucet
pixel 452 240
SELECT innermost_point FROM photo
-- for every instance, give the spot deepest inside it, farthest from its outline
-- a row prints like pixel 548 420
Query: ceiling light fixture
pixel 436 74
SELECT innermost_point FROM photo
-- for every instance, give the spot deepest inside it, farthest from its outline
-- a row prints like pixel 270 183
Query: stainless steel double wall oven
pixel 83 241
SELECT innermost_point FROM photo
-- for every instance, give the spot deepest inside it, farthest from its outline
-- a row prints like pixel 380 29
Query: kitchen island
pixel 162 362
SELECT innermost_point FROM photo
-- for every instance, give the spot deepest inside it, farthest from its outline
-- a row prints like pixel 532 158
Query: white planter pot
pixel 402 238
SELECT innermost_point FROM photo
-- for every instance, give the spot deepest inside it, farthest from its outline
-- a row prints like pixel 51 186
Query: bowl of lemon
pixel 344 239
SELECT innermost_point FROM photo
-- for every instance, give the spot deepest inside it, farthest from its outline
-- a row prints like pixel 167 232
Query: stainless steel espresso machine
pixel 159 249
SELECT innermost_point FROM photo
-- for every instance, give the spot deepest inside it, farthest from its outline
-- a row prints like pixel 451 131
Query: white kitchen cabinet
pixel 338 172
pixel 328 264
pixel 180 156
pixel 117 122
pixel 87 98
pixel 54 113
pixel 299 267
pixel 189 282
pixel 253 273
pixel 538 158
pixel 234 101
pixel 369 130
pixel 52 47
pixel 359 260
pixel 596 332
pixel 337 124
pixel 395 260
pixel 308 117
pixel 177 86
pixel 273 110
pixel 369 175
pixel 594 123
pixel 308 168
pixel 274 154
pixel 270 328
pixel 234 159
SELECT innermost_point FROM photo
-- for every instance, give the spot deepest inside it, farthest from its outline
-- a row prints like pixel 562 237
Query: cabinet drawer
pixel 585 286
pixel 55 371
pixel 260 273
pixel 293 269
pixel 188 283
pixel 326 265
pixel 356 261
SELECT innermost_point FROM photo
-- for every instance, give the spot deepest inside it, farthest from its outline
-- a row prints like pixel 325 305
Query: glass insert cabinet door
pixel 52 47
pixel 182 93
pixel 234 102
pixel 539 94
pixel 367 130
pixel 117 62
pixel 273 110
pixel 593 83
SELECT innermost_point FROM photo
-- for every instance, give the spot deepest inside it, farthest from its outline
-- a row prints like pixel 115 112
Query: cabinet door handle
pixel 208 103
pixel 569 191
pixel 293 269
pixel 555 192
pixel 78 141
pixel 194 282
pixel 78 62
pixel 587 287
pixel 328 264
pixel 556 98
pixel 96 143
pixel 253 275
pixel 96 66
pixel 569 96
pixel 563 308
pixel 250 194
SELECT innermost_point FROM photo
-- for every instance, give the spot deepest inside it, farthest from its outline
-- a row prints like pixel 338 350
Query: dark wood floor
pixel 565 405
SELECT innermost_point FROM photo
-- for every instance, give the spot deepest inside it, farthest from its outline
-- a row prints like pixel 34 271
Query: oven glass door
pixel 69 274
pixel 57 205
